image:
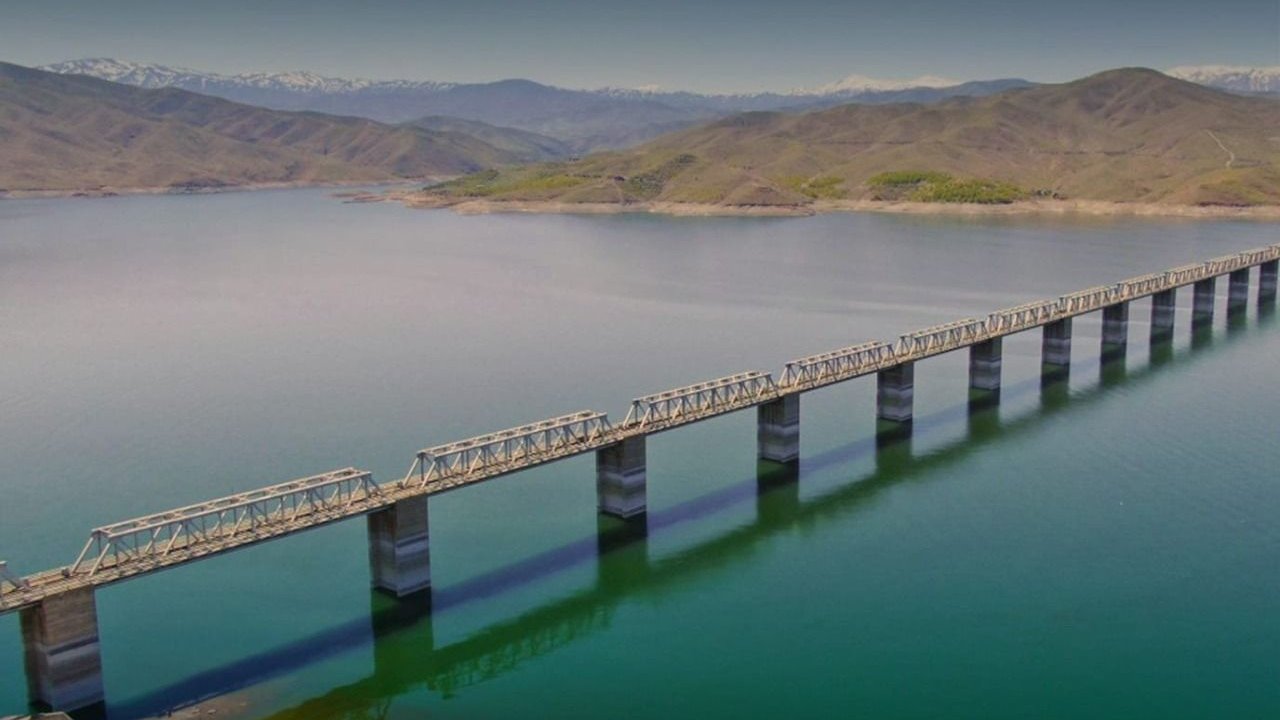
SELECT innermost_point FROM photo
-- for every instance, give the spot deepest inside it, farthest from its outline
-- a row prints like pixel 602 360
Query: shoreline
pixel 414 199
pixel 1098 208
pixel 108 191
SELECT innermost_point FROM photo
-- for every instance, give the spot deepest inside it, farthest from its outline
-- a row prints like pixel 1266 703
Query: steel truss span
pixel 122 550
pixel 514 448
pixel 701 400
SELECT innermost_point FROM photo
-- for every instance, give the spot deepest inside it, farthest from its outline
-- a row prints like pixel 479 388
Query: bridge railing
pixel 939 339
pixel 836 365
pixel 1020 317
pixel 216 524
pixel 526 444
pixel 693 402
pixel 1143 285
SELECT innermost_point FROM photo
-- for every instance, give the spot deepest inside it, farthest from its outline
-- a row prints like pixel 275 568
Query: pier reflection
pixel 406 656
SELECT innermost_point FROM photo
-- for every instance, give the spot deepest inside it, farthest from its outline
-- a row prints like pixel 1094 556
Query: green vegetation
pixel 903 178
pixel 648 185
pixel 488 183
pixel 939 187
pixel 988 192
pixel 822 187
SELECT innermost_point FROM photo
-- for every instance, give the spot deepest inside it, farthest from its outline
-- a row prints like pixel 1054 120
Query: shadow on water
pixel 404 650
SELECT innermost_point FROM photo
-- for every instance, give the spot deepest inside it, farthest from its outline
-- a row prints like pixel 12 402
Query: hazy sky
pixel 712 45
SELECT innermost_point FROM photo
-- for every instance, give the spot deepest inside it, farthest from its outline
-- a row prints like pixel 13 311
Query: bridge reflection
pixel 406 657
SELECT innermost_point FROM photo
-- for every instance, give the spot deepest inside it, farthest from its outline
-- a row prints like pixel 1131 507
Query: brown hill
pixel 60 132
pixel 1125 135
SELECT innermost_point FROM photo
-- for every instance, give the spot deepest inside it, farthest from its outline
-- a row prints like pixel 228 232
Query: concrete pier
pixel 984 365
pixel 620 478
pixel 400 547
pixel 1115 330
pixel 1268 272
pixel 895 392
pixel 778 429
pixel 1163 309
pixel 1202 301
pixel 1055 346
pixel 62 653
pixel 1238 289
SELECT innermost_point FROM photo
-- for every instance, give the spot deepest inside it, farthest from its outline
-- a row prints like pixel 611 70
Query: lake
pixel 1103 546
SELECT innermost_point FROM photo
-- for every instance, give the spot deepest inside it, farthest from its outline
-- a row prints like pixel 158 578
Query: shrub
pixel 649 184
pixel 904 178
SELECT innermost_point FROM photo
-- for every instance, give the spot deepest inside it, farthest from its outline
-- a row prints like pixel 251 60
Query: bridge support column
pixel 620 478
pixel 1238 289
pixel 1268 272
pixel 62 653
pixel 778 429
pixel 1163 306
pixel 895 392
pixel 1202 301
pixel 1115 330
pixel 1055 346
pixel 984 364
pixel 400 547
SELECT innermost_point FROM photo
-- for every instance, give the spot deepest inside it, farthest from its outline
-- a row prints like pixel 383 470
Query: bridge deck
pixel 148 544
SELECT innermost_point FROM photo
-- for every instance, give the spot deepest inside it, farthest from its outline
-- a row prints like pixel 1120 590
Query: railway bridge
pixel 57 607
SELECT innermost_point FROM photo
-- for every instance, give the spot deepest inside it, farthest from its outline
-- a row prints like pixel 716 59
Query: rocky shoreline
pixel 1027 207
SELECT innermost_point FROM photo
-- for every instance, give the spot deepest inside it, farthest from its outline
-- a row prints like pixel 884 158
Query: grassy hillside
pixel 1122 135
pixel 76 133
pixel 523 145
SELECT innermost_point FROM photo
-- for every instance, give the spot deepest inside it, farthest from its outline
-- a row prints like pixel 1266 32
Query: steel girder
pixel 698 401
pixel 524 445
pixel 837 365
pixel 220 524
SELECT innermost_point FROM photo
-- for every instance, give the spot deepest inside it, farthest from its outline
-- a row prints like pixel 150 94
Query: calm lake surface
pixel 1104 547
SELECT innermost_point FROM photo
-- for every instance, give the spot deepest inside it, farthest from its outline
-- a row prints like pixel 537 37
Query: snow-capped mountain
pixel 585 119
pixel 854 84
pixel 149 75
pixel 1231 77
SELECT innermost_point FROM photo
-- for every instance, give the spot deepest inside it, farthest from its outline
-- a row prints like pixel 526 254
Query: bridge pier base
pixel 1163 307
pixel 400 547
pixel 895 392
pixel 1238 289
pixel 620 478
pixel 1055 345
pixel 62 653
pixel 985 360
pixel 1268 272
pixel 1115 330
pixel 1205 292
pixel 778 429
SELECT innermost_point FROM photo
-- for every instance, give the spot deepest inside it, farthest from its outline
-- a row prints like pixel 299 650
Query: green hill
pixel 523 145
pixel 1129 135
pixel 67 133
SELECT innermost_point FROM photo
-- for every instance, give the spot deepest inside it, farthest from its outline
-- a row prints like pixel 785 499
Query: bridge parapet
pixel 233 520
pixel 487 455
pixel 836 366
pixel 700 400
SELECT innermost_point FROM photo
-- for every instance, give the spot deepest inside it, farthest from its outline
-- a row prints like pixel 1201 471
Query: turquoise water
pixel 1099 547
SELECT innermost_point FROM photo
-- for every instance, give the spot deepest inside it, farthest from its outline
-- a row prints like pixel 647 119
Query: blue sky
pixel 707 46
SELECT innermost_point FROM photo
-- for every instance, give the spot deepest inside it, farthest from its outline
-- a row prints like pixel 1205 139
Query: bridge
pixel 57 607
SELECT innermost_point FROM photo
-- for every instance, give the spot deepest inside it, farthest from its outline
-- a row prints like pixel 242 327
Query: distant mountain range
pixel 583 120
pixel 1129 135
pixel 76 133
pixel 1265 80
